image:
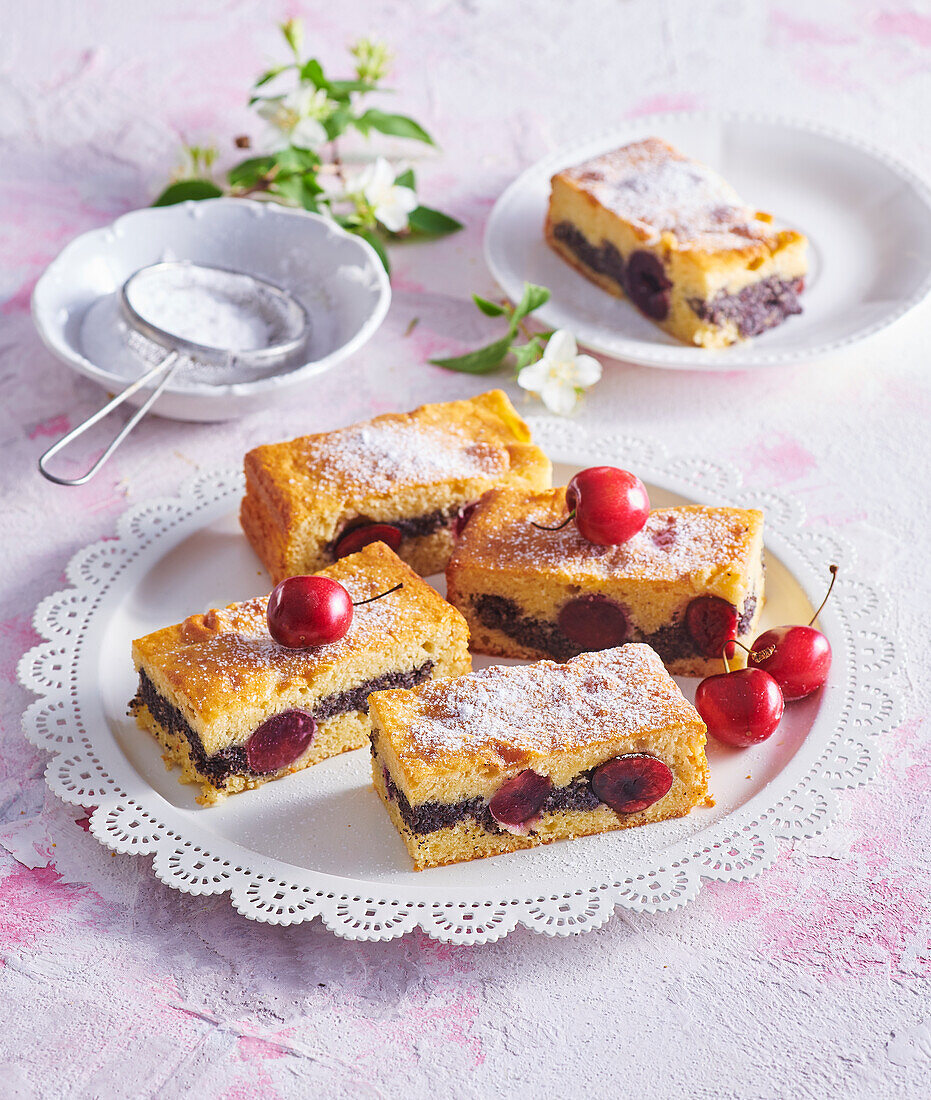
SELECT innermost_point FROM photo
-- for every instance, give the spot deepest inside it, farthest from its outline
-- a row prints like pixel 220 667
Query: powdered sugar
pixel 228 655
pixel 389 452
pixel 548 707
pixel 674 544
pixel 651 185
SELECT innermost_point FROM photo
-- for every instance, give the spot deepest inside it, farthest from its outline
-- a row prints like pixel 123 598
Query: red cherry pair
pixel 609 505
pixel 786 663
pixel 311 611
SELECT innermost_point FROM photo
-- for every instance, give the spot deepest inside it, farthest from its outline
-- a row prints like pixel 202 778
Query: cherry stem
pixel 833 569
pixel 565 523
pixel 756 654
pixel 380 596
pixel 727 666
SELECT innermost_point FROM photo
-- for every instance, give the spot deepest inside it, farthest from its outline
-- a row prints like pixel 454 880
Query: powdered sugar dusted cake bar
pixel 234 709
pixel 675 237
pixel 402 478
pixel 511 757
pixel 691 579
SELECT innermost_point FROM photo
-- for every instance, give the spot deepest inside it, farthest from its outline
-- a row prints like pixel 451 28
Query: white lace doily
pixel 658 869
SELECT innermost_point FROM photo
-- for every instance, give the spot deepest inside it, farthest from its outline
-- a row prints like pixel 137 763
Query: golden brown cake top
pixel 478 439
pixel 506 716
pixel 226 657
pixel 675 544
pixel 657 189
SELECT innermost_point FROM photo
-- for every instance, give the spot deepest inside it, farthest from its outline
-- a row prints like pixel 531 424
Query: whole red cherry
pixel 610 505
pixel 740 708
pixel 797 657
pixel 308 611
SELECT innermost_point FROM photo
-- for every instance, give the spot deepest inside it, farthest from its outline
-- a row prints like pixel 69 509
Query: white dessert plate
pixel 867 217
pixel 336 277
pixel 319 843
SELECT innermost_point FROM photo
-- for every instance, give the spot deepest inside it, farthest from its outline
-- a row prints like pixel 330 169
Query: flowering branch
pixel 548 364
pixel 303 166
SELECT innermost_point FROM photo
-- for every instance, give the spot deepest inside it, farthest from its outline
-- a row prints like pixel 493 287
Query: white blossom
pixel 390 202
pixel 297 117
pixel 561 375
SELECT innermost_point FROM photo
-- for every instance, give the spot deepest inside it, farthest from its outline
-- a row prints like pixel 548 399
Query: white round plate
pixel 867 217
pixel 335 275
pixel 319 843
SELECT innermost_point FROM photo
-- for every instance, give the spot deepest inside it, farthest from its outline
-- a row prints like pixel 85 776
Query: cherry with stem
pixel 307 611
pixel 797 657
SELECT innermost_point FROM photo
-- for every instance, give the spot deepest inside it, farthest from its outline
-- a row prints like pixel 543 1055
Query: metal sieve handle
pixel 169 365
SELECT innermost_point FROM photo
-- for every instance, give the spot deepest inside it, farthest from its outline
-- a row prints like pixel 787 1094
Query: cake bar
pixel 234 709
pixel 671 234
pixel 689 581
pixel 402 477
pixel 511 757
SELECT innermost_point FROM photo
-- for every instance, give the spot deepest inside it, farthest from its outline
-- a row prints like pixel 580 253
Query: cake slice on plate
pixel 402 478
pixel 234 709
pixel 688 582
pixel 671 234
pixel 512 757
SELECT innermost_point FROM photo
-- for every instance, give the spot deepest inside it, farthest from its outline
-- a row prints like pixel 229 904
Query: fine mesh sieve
pixel 187 316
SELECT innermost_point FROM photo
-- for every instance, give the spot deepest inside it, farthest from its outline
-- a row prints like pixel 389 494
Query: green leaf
pixel 525 354
pixel 342 89
pixel 337 122
pixel 295 159
pixel 249 172
pixel 377 243
pixel 406 179
pixel 299 189
pixel 395 125
pixel 481 361
pixel 271 74
pixel 312 70
pixel 489 308
pixel 426 220
pixel 187 189
pixel 532 298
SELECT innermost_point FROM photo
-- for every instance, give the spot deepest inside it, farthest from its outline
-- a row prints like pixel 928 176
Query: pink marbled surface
pixel 812 980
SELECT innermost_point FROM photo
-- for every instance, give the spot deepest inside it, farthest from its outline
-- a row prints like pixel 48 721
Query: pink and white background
pixel 812 980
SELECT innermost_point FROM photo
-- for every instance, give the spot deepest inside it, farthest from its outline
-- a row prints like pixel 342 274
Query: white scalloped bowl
pixel 336 276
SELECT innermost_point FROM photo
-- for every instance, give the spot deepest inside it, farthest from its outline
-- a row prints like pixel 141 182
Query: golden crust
pixel 680 554
pixel 226 674
pixel 301 494
pixel 649 197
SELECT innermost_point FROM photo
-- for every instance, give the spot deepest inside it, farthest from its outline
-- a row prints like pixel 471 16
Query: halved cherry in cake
pixel 711 623
pixel 797 657
pixel 463 516
pixel 312 610
pixel 355 538
pixel 647 285
pixel 594 622
pixel 280 740
pixel 520 799
pixel 630 783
